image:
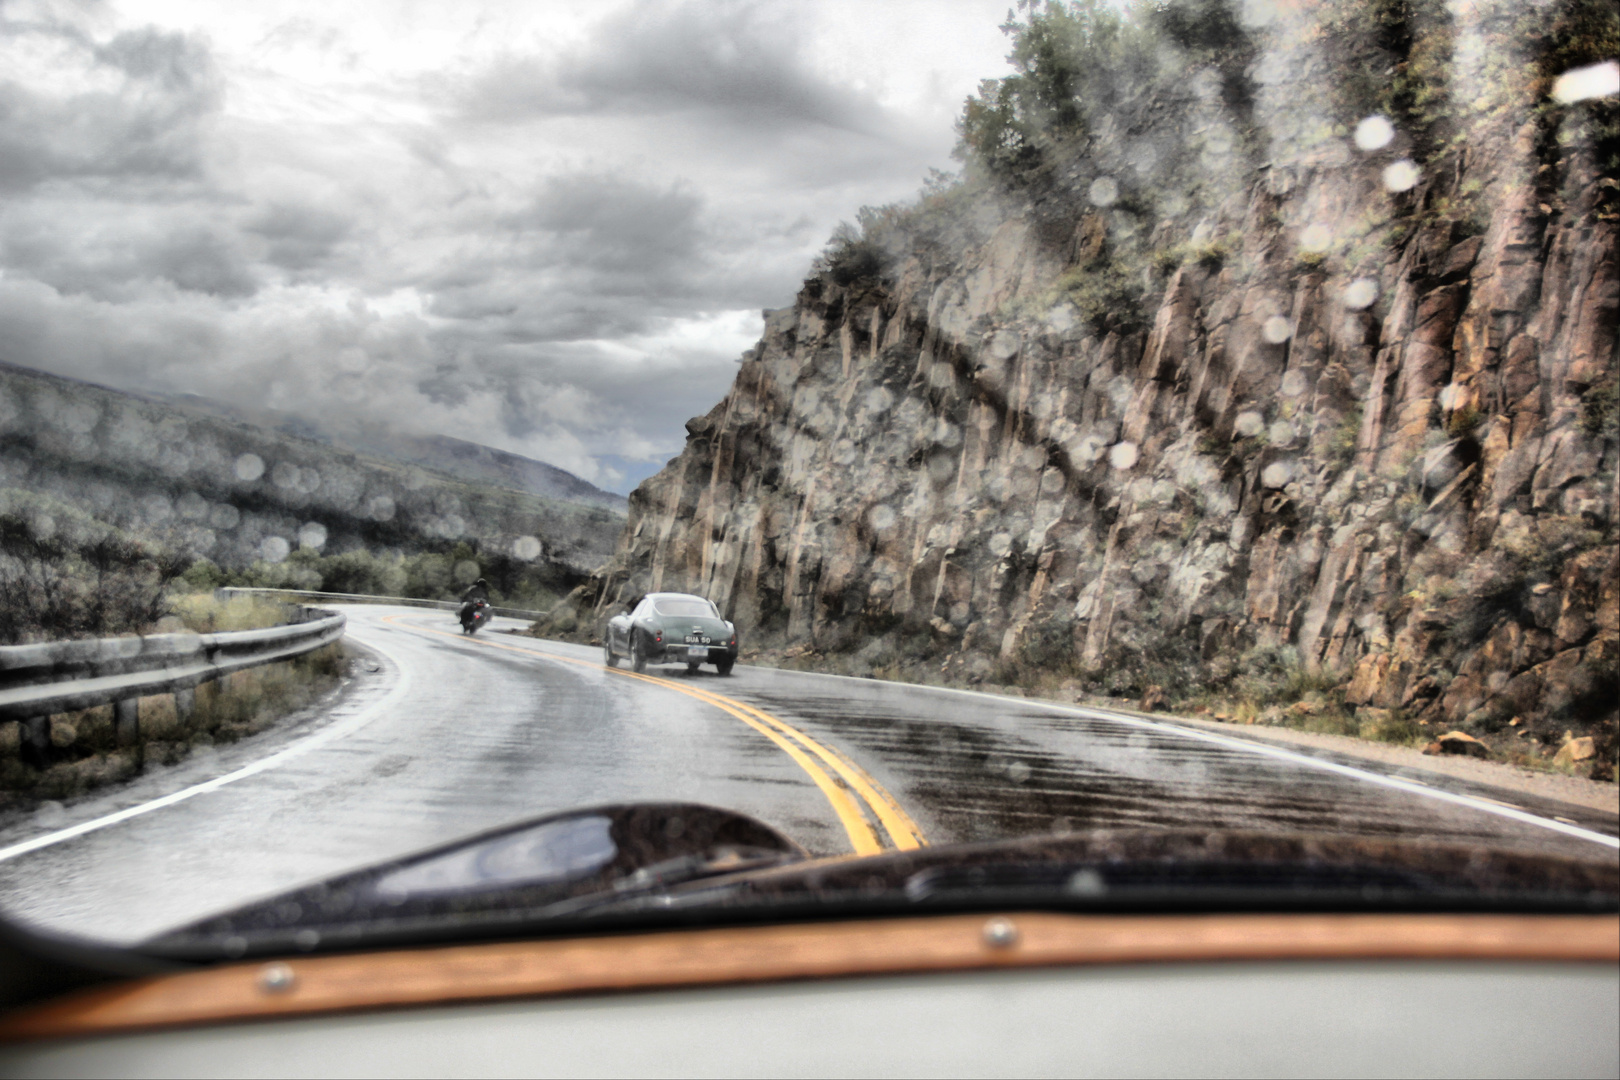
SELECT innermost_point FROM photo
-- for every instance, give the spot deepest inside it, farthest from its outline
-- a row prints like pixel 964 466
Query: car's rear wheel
pixel 608 656
pixel 691 668
pixel 724 666
pixel 638 654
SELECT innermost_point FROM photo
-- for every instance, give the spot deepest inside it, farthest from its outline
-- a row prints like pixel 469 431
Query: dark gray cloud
pixel 123 257
pixel 616 225
pixel 147 121
pixel 298 237
pixel 733 58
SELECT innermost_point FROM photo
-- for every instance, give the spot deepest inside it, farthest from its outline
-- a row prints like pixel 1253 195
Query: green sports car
pixel 671 628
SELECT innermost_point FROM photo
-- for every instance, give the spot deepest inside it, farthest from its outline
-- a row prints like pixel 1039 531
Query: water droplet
pixel 1103 192
pixel 1294 383
pixel 1401 176
pixel 1000 934
pixel 249 467
pixel 312 535
pixel 1316 239
pixel 1276 330
pixel 274 549
pixel 1277 474
pixel 1361 293
pixel 155 509
pixel 277 979
pixel 1258 13
pixel 882 518
pixel 1087 882
pixel 526 548
pixel 1249 424
pixel 1374 133
pixel 1123 455
pixel 1582 83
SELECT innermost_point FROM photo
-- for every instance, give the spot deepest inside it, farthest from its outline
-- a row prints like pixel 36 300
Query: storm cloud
pixel 504 223
pixel 732 59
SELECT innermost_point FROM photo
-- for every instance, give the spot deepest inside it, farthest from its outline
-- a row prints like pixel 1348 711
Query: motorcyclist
pixel 478 590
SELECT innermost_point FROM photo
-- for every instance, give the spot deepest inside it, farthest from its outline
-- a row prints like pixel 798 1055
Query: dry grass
pixel 204 614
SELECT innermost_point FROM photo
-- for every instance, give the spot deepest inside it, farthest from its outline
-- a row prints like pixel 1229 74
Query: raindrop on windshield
pixel 1374 133
pixel 1361 293
pixel 1316 239
pixel 1123 455
pixel 1401 176
pixel 1583 83
pixel 1276 330
pixel 249 467
pixel 526 548
pixel 274 549
pixel 1104 192
pixel 312 535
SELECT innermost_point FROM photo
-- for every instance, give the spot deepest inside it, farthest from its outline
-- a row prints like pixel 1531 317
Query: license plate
pixel 697 652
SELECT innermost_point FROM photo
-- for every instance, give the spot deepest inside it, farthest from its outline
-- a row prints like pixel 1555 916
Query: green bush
pixel 1072 61
pixel 64 574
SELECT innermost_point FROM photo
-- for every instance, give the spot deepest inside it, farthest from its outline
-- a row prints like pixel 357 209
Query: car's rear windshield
pixel 686 608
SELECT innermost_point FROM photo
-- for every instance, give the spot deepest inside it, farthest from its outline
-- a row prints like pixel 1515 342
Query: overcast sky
pixel 548 227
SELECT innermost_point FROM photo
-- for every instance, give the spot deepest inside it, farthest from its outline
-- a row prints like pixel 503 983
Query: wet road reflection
pixel 497 728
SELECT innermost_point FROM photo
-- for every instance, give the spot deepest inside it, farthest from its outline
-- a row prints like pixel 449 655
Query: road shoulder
pixel 1590 795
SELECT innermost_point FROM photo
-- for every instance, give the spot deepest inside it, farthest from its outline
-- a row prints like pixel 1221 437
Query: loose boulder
pixel 1457 742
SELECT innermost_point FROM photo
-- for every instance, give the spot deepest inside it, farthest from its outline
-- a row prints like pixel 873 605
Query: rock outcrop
pixel 1367 429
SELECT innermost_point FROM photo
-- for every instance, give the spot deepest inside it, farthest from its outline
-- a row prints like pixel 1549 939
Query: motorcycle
pixel 474 615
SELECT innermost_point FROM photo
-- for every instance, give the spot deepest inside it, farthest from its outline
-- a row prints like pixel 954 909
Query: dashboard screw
pixel 1000 934
pixel 277 979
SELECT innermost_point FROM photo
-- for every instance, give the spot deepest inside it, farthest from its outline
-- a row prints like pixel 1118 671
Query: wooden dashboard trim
pixel 310 985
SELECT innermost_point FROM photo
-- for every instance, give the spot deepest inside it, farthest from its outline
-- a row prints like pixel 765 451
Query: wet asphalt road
pixel 451 735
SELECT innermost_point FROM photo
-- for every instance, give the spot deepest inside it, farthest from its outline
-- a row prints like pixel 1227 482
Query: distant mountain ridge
pixel 460 458
pixel 222 484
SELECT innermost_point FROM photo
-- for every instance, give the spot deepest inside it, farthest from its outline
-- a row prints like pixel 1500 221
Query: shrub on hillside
pixel 65 575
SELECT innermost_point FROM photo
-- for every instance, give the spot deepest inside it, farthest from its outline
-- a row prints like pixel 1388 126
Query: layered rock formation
pixel 1368 430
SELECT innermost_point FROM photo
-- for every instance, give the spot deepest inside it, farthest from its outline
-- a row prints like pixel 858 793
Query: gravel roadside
pixel 1578 791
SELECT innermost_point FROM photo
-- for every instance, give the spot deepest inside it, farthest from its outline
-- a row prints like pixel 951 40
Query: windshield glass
pixel 1151 453
pixel 698 609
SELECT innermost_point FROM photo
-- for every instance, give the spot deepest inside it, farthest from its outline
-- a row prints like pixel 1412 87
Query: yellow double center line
pixel 861 803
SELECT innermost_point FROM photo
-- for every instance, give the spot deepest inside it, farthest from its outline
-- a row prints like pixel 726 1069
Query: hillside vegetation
pixel 1262 352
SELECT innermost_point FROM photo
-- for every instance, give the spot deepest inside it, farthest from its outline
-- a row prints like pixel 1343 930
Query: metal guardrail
pixel 367 598
pixel 63 676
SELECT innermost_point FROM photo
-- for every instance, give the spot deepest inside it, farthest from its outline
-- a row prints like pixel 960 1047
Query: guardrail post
pixel 127 721
pixel 185 704
pixel 36 741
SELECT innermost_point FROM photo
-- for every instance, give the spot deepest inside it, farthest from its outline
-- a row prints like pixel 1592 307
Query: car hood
pixel 647 864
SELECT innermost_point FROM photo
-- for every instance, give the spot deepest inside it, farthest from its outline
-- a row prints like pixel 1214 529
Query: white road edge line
pixel 298 749
pixel 1281 754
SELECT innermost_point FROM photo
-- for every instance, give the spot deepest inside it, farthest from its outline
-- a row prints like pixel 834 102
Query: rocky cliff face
pixel 1367 430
